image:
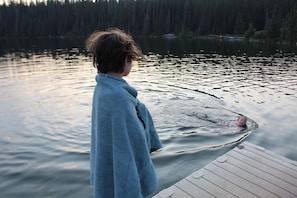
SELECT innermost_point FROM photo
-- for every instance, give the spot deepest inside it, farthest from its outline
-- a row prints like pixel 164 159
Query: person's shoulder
pixel 117 90
pixel 121 95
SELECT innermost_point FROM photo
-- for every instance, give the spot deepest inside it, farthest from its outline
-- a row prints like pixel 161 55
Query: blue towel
pixel 122 137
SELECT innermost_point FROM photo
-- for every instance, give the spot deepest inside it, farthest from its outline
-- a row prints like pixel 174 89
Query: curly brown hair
pixel 110 49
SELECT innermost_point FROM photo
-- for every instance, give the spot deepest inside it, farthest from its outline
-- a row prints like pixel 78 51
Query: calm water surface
pixel 46 100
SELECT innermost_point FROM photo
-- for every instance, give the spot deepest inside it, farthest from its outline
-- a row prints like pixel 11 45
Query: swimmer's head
pixel 241 121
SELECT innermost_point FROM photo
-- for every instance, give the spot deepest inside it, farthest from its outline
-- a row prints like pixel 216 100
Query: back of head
pixel 241 121
pixel 110 49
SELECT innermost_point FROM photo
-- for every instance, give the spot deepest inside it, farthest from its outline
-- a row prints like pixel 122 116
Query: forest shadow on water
pixel 193 89
pixel 158 45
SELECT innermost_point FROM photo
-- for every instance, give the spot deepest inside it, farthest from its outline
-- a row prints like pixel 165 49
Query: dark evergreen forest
pixel 260 19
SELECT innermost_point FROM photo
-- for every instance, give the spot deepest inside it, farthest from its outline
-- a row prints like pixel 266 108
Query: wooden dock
pixel 246 171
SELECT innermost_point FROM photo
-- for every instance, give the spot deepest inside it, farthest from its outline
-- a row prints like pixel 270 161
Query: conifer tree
pixel 250 32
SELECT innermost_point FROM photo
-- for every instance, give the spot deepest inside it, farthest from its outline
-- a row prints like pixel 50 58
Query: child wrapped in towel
pixel 122 132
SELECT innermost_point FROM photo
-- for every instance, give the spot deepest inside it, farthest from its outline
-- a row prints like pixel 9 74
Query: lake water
pixel 192 88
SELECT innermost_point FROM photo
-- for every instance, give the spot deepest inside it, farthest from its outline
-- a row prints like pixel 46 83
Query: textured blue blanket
pixel 122 136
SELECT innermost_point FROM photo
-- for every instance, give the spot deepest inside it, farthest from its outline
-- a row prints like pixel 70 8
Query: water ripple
pixel 46 103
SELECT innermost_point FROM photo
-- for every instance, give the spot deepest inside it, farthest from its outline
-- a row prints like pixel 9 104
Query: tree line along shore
pixel 272 20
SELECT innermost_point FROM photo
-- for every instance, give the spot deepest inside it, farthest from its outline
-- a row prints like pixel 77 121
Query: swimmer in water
pixel 240 122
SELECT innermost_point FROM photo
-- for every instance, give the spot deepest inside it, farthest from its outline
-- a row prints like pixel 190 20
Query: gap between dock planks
pixel 247 171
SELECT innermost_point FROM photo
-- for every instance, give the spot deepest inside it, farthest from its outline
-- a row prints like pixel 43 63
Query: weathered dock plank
pixel 246 171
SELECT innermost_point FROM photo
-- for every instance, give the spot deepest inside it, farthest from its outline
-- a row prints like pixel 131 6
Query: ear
pixel 128 60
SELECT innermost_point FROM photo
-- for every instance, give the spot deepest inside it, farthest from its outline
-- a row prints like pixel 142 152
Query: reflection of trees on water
pixel 176 47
